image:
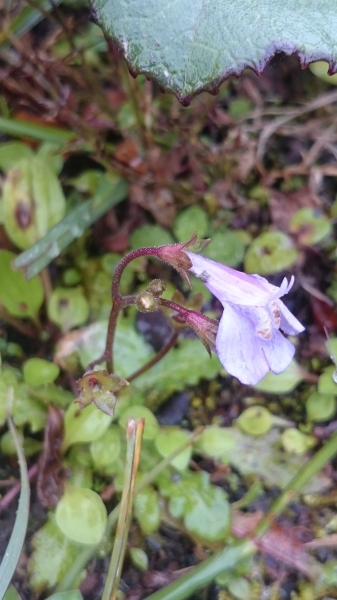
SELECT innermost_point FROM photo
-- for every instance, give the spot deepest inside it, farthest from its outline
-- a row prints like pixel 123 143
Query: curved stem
pixel 155 359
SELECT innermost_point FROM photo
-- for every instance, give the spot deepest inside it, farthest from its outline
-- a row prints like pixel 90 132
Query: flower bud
pixel 146 302
pixel 205 328
pixel 156 287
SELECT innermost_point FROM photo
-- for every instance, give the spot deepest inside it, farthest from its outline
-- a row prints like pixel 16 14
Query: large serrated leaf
pixel 192 45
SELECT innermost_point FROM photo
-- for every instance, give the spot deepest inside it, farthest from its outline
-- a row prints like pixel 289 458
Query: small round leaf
pixel 170 439
pixel 20 297
pixel 270 252
pixel 255 420
pixel 37 371
pixel 68 308
pixel 81 515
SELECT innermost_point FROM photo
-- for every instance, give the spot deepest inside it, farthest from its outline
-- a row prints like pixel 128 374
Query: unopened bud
pixel 146 302
pixel 156 287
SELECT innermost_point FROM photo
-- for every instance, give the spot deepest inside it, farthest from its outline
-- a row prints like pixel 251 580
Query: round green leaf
pixel 192 219
pixel 320 407
pixel 190 46
pixel 138 412
pixel 284 382
pixel 226 247
pixel 68 307
pixel 310 226
pixel 255 420
pixel 37 371
pixel 215 441
pixel 107 448
pixel 327 382
pixel 150 235
pixel 297 442
pixel 147 510
pixel 13 152
pixel 81 515
pixel 20 297
pixel 84 425
pixel 170 439
pixel 270 252
pixel 33 201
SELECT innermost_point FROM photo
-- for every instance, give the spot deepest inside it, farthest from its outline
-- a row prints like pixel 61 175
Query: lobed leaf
pixel 193 45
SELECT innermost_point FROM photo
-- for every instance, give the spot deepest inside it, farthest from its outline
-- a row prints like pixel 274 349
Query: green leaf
pixel 192 219
pixel 226 247
pixel 37 371
pixel 84 425
pixel 11 153
pixel 269 253
pixel 25 410
pixel 327 383
pixel 297 442
pixel 107 448
pixel 53 555
pixel 170 439
pixel 320 69
pixel 33 201
pixel 190 46
pixel 139 558
pixel 215 441
pixel 203 506
pixel 20 297
pixel 68 307
pixel 109 193
pixel 147 510
pixel 320 407
pixel 139 412
pixel 182 366
pixel 15 544
pixel 81 515
pixel 284 382
pixel 150 235
pixel 11 594
pixel 255 420
pixel 310 226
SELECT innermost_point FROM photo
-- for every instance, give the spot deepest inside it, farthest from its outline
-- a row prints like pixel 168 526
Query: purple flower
pixel 249 342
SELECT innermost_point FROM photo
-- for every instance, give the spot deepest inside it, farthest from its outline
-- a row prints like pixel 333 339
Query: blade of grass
pixel 134 433
pixel 14 548
pixel 36 258
pixel 87 553
pixel 226 559
pixel 28 17
pixel 44 133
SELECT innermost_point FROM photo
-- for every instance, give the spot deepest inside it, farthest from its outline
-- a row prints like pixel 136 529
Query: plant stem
pixel 17 323
pixel 119 302
pixel 134 432
pixel 155 359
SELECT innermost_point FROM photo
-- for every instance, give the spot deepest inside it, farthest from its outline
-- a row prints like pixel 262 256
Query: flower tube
pixel 249 342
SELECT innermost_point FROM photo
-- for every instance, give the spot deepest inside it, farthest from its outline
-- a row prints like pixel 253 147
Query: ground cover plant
pixel 157 471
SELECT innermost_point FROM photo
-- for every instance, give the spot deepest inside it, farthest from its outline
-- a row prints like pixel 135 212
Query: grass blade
pixel 15 544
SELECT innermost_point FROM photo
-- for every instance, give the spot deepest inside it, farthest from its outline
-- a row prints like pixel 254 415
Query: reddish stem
pixel 14 491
